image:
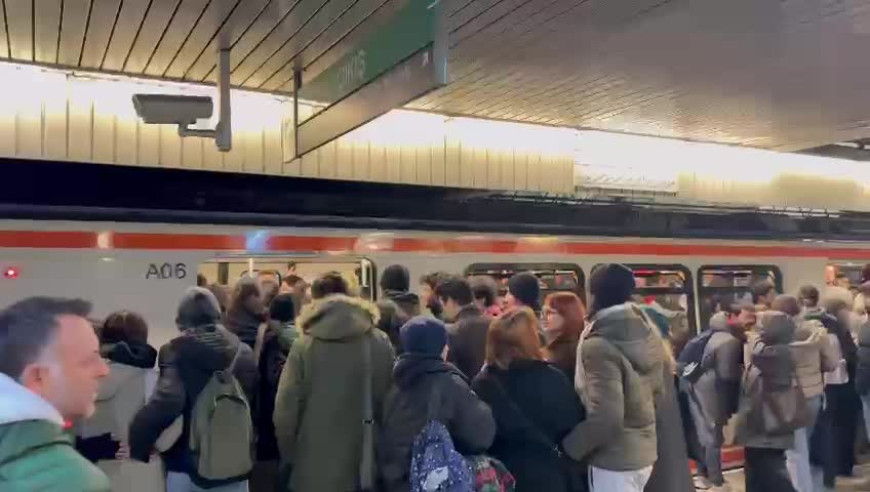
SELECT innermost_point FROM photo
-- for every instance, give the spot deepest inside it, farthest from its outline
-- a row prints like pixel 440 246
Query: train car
pixel 146 267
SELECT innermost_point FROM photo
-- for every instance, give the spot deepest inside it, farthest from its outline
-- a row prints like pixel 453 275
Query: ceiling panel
pixel 186 16
pixel 46 32
pixel 156 22
pixel 100 27
pixel 74 24
pixel 279 71
pixel 783 74
pixel 275 17
pixel 206 29
pixel 238 23
pixel 328 17
pixel 127 26
pixel 19 24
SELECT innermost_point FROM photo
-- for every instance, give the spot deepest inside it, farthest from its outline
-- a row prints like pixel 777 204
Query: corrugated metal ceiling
pixel 784 74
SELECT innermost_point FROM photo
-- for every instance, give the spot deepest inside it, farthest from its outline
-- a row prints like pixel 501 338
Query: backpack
pixel 436 466
pixel 690 366
pixel 774 411
pixel 221 429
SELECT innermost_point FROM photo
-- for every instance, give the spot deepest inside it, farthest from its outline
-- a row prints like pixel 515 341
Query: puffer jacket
pixel 619 375
pixel 396 308
pixel 35 452
pixel 813 355
pixel 862 370
pixel 417 380
pixel 186 364
pixel 771 354
pixel 122 393
pixel 319 406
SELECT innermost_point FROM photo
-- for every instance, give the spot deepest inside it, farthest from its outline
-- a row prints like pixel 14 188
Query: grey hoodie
pixel 621 362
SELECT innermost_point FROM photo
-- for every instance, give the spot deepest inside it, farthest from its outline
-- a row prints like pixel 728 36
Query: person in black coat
pixel 186 364
pixel 422 383
pixel 534 406
pixel 398 304
pixel 468 332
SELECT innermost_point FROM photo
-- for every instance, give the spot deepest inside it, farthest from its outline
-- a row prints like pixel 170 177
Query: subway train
pixel 135 238
pixel 145 267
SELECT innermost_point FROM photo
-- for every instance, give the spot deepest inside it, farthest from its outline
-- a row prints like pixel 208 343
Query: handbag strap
pixel 536 433
pixel 366 475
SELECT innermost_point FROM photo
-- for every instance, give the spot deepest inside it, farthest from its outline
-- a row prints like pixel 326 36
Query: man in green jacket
pixel 50 370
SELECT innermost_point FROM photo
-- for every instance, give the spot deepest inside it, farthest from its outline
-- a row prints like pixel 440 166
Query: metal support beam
pixel 223 132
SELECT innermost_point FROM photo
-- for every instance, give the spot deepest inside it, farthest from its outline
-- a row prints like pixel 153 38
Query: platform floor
pixel 860 482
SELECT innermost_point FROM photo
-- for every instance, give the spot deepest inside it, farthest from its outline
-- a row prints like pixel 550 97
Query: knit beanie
pixel 525 287
pixel 611 284
pixel 423 335
pixel 396 278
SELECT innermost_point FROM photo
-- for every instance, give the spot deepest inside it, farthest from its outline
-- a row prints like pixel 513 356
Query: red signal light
pixel 10 273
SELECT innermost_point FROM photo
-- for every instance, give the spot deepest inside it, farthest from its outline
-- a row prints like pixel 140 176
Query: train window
pixel 553 277
pixel 720 286
pixel 226 271
pixel 668 290
pixel 846 275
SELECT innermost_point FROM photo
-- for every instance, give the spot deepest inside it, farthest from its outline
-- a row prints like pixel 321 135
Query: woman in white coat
pixel 103 437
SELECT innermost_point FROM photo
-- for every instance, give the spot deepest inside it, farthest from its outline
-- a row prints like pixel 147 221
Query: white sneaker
pixel 701 483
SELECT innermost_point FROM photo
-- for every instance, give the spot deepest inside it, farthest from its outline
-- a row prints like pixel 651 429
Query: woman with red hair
pixel 533 403
pixel 564 319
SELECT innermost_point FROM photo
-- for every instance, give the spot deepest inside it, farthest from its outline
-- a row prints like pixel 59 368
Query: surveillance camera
pixel 166 109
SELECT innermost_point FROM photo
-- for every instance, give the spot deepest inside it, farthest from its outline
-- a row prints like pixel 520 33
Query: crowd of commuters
pixel 290 387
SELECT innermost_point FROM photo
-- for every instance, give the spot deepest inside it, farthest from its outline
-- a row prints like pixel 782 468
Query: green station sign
pixel 398 63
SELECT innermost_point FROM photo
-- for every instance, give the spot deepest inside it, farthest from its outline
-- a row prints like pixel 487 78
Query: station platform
pixel 859 482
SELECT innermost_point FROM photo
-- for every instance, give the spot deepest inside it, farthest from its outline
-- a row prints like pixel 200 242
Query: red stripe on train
pixel 372 243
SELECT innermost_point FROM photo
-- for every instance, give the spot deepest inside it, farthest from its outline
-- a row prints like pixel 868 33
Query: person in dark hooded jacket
pixel 398 305
pixel 771 366
pixel 271 353
pixel 186 364
pixel 533 403
pixel 425 388
pixel 246 312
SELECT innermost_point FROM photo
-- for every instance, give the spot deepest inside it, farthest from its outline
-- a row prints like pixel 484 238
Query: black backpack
pixel 690 365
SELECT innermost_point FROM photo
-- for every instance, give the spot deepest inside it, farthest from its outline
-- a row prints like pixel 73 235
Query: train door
pixel 272 271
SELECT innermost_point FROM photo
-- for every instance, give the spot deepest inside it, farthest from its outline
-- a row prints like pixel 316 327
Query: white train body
pixel 146 267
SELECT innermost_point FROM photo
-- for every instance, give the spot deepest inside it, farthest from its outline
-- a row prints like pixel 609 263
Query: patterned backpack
pixel 435 464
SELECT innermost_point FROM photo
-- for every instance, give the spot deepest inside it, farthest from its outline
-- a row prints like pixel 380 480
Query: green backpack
pixel 221 430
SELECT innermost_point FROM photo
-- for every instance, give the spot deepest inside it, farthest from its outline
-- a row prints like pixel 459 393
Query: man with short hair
pixel 50 371
pixel 763 294
pixel 524 290
pixel 467 334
